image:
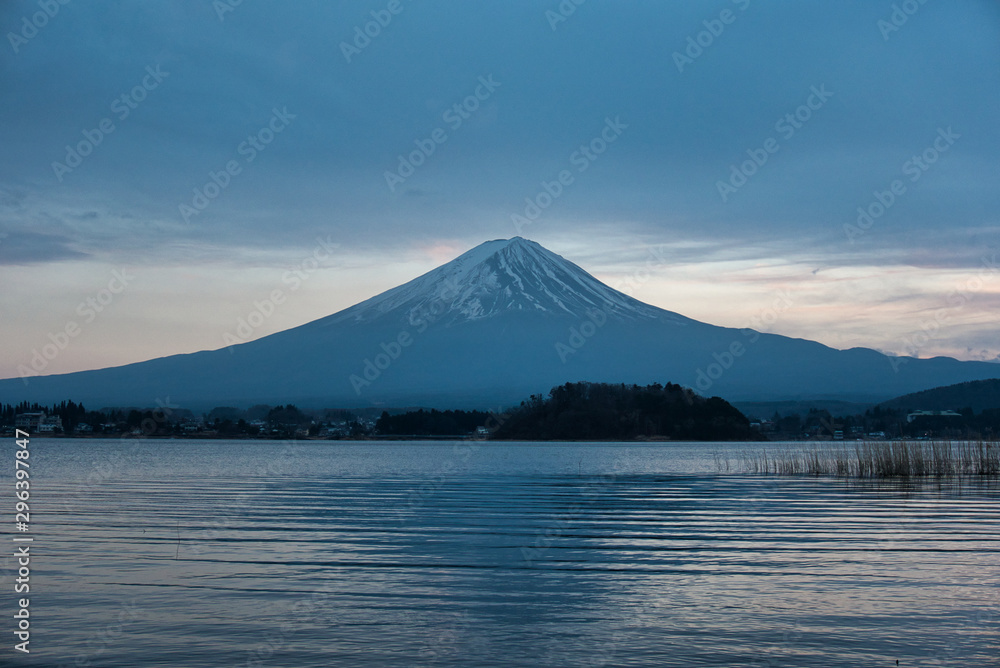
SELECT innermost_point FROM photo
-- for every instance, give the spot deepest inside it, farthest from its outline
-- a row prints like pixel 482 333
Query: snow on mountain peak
pixel 496 277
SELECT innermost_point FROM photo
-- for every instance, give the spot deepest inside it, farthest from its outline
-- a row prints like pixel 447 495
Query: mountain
pixel 979 395
pixel 503 321
pixel 493 279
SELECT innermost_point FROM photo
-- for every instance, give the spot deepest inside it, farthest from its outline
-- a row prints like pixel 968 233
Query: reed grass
pixel 881 459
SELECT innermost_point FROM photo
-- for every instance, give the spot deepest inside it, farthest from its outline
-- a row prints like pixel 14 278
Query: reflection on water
pixel 319 554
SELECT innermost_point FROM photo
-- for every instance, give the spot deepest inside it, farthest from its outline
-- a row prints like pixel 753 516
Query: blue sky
pixel 191 89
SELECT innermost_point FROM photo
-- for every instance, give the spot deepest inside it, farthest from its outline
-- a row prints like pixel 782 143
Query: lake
pixel 256 553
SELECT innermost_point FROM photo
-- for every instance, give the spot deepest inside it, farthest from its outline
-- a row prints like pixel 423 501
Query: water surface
pixel 252 553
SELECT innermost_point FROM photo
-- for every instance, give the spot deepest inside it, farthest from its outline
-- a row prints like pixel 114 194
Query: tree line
pixel 431 423
pixel 573 411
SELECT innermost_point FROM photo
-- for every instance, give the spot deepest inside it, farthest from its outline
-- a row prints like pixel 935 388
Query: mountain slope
pixel 505 320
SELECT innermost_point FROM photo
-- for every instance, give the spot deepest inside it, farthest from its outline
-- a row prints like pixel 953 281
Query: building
pixel 28 421
pixel 50 424
pixel 38 423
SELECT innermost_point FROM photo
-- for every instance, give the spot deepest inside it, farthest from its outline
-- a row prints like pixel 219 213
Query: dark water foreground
pixel 183 553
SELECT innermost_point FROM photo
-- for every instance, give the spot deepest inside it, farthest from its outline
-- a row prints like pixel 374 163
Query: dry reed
pixel 881 459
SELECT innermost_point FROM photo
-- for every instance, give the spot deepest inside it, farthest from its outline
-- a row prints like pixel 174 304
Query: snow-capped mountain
pixel 502 321
pixel 494 278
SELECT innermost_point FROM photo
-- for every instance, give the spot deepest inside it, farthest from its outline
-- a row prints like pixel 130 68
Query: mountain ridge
pixel 979 395
pixel 505 320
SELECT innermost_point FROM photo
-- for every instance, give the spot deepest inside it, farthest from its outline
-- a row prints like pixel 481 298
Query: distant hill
pixel 980 395
pixel 503 321
pixel 765 409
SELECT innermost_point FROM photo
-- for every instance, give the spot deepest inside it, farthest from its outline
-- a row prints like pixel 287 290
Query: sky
pixel 821 170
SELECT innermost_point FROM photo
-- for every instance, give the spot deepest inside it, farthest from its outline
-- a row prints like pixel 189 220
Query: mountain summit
pixel 500 322
pixel 494 278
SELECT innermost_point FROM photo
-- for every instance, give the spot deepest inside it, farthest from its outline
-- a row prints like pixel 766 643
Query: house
pixel 38 422
pixel 50 424
pixel 28 421
pixel 918 414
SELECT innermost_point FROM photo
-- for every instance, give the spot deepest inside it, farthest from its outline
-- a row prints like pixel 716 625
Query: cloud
pixel 20 248
pixel 657 184
pixel 355 119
